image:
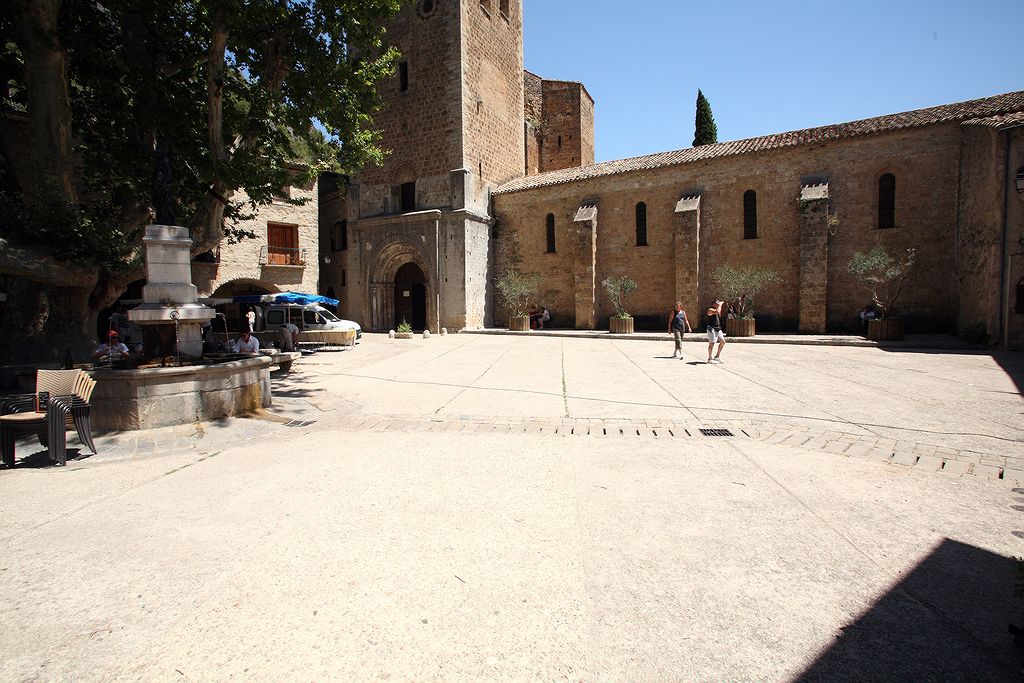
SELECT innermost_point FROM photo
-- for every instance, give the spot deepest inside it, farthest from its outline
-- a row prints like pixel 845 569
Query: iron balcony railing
pixel 282 256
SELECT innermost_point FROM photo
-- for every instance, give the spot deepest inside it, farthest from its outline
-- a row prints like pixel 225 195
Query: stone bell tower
pixel 419 226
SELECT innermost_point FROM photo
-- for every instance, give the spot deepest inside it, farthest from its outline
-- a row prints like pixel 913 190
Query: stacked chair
pixel 61 400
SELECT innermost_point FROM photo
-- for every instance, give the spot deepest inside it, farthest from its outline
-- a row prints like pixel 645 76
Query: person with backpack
pixel 677 324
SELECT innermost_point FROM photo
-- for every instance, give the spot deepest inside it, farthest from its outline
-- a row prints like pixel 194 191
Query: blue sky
pixel 768 66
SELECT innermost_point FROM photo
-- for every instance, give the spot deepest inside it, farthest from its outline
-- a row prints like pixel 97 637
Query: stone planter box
pixel 620 325
pixel 404 335
pixel 740 327
pixel 520 324
pixel 885 330
pixel 160 397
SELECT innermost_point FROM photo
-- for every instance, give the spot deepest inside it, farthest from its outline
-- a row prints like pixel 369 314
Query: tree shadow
pixel 946 620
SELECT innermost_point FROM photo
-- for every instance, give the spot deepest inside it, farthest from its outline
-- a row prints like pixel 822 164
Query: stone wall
pixel 924 161
pixel 1014 285
pixel 492 100
pixel 241 261
pixel 421 126
pixel 563 142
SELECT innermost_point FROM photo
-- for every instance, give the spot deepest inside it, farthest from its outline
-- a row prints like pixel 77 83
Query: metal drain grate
pixel 299 423
pixel 716 432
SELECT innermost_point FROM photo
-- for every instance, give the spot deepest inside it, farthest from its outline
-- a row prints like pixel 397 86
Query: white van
pixel 307 317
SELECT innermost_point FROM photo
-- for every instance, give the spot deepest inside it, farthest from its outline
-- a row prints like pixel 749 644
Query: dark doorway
pixel 410 297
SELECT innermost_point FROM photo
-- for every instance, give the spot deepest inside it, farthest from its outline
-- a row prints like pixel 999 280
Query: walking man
pixel 715 333
pixel 677 324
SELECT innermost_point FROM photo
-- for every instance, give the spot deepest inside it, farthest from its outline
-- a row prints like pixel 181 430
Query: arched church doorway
pixel 411 296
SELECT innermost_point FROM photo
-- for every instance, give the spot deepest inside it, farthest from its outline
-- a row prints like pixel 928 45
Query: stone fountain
pixel 170 315
pixel 171 318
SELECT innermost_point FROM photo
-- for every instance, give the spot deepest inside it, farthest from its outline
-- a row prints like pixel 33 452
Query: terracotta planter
pixel 520 324
pixel 620 325
pixel 890 329
pixel 739 327
pixel 404 335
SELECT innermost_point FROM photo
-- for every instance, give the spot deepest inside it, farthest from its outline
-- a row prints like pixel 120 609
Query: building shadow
pixel 947 620
pixel 1012 362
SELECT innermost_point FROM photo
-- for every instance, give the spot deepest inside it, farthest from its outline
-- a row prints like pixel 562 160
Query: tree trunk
pixel 49 103
pixel 41 322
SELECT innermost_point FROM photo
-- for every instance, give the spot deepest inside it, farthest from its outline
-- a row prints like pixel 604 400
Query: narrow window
pixel 503 8
pixel 641 224
pixel 403 76
pixel 409 196
pixel 486 4
pixel 282 244
pixel 749 215
pixel 342 279
pixel 887 201
pixel 550 226
pixel 339 236
pixel 559 142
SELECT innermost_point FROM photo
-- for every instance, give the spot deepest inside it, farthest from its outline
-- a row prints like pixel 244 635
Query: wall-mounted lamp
pixel 327 259
pixel 1020 180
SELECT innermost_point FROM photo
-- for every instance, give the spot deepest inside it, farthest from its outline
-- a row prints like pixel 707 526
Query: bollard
pixel 391 334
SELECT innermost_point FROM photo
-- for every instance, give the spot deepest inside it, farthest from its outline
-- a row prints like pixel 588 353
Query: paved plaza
pixel 479 507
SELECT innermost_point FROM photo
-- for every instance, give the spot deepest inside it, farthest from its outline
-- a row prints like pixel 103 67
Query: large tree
pixel 705 132
pixel 121 112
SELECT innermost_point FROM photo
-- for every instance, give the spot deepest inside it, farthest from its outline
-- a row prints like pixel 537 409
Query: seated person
pixel 535 316
pixel 247 343
pixel 112 349
pixel 866 314
pixel 544 317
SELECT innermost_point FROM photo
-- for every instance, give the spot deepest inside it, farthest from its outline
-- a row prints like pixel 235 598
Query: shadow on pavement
pixel 1012 362
pixel 946 620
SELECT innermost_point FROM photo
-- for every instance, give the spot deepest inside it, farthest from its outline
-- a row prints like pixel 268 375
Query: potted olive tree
pixel 738 286
pixel 517 290
pixel 618 289
pixel 883 275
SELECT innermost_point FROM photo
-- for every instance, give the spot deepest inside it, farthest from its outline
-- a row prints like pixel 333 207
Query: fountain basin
pixel 161 397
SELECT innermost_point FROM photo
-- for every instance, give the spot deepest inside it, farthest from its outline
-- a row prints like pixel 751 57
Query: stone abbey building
pixel 492 168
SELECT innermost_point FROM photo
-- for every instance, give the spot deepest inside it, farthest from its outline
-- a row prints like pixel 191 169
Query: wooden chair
pixel 61 400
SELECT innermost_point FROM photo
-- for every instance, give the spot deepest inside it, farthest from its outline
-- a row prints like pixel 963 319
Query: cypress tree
pixel 705 131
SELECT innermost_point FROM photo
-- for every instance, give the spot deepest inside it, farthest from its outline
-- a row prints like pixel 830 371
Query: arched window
pixel 749 215
pixel 887 201
pixel 641 224
pixel 549 225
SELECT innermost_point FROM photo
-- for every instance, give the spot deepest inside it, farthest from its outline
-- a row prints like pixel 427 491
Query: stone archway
pixel 385 262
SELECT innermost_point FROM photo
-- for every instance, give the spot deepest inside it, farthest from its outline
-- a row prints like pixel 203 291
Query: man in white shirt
pixel 250 319
pixel 247 343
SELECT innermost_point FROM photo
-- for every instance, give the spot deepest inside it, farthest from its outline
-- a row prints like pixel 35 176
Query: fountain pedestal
pixel 169 297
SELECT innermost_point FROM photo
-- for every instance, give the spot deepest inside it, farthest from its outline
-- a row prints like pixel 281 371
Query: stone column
pixel 584 262
pixel 686 246
pixel 814 202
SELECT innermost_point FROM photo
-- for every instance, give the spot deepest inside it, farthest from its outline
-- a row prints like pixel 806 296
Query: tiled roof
pixel 999 121
pixel 1009 106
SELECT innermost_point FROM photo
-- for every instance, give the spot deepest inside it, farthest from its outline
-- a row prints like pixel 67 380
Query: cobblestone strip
pixel 896 452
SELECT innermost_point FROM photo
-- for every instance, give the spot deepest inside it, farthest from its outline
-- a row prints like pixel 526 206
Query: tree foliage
pixel 517 290
pixel 739 285
pixel 205 99
pixel 705 132
pixel 618 289
pixel 883 275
